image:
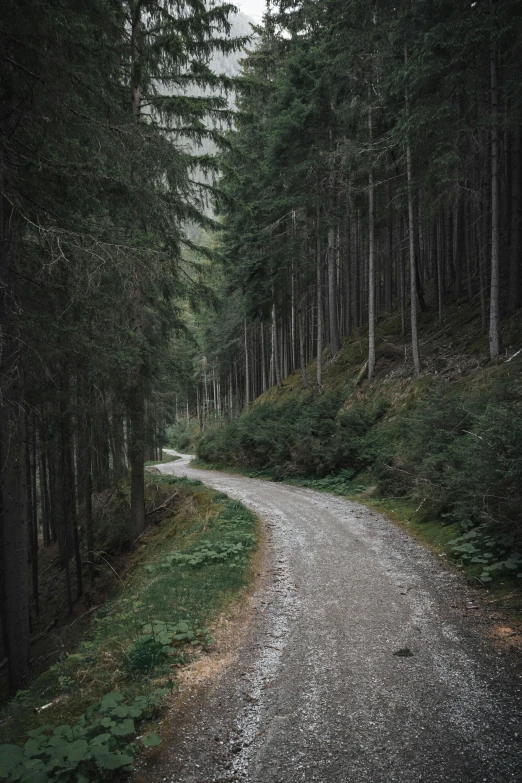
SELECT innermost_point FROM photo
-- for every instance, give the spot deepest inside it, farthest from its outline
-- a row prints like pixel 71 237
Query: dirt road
pixel 363 663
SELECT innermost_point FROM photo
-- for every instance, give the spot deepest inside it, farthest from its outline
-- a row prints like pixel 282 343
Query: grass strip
pixel 183 574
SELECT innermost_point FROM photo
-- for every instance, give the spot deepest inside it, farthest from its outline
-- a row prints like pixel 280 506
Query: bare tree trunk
pixel 371 251
pixel 137 396
pixel 247 367
pixel 14 581
pixel 335 343
pixel 44 497
pixel 402 284
pixel 302 357
pixel 515 245
pixel 357 274
pixel 388 270
pixel 483 255
pixel 14 587
pixel 292 315
pixel 319 313
pixel 411 234
pixel 137 432
pixel 440 270
pixel 86 477
pixel 275 346
pixel 263 358
pixel 494 302
pixel 457 243
pixel 347 282
pixel 118 441
pixel 32 516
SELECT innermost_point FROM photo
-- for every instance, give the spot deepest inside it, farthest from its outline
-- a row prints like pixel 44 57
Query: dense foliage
pixel 375 164
pixel 100 103
pixel 454 452
pixel 104 692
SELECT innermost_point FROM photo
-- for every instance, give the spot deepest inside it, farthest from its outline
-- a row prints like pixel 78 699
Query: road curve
pixel 318 692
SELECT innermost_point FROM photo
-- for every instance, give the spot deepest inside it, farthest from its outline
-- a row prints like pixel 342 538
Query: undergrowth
pixel 448 444
pixel 184 571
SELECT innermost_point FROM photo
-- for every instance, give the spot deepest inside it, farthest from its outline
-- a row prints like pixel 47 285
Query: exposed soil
pixel 358 658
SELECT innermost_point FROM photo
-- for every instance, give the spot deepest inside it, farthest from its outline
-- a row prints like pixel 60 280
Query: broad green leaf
pixel 40 730
pixel 78 750
pixel 100 739
pixel 32 747
pixel 59 730
pixel 121 712
pixel 111 700
pixel 10 757
pixel 113 760
pixel 35 776
pixel 151 739
pixel 124 728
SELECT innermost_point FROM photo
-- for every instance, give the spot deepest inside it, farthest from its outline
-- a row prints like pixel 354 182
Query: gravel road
pixel 317 691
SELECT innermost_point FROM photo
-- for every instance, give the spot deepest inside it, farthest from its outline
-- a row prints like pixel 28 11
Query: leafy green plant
pixel 161 641
pixel 207 552
pixel 143 655
pixel 495 551
pixel 95 748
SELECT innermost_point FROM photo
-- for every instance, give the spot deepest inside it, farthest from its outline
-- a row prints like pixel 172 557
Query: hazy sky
pixel 252 8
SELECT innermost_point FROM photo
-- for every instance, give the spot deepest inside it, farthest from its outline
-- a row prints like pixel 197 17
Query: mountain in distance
pixel 230 64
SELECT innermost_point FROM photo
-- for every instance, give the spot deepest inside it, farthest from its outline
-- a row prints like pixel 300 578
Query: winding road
pixel 363 662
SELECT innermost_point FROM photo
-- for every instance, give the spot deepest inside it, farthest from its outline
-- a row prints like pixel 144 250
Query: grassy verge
pixel 183 573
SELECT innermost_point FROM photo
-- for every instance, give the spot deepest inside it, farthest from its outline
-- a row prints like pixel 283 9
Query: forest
pixel 323 212
pixel 103 109
pixel 371 238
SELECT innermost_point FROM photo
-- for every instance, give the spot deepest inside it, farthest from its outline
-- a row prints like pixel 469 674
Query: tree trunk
pixel 137 432
pixel 44 497
pixel 137 395
pixel 357 274
pixel 319 313
pixel 388 270
pixel 247 367
pixel 263 358
pixel 347 277
pixel 275 347
pixel 515 245
pixel 494 302
pixel 440 271
pixel 413 269
pixel 371 253
pixel 457 243
pixel 302 356
pixel 335 343
pixel 32 516
pixel 118 455
pixel 13 538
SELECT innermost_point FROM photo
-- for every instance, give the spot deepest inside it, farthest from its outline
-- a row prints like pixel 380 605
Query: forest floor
pixel 95 653
pixel 360 657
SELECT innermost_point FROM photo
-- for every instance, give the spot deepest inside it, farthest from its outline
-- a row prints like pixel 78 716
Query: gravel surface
pixel 361 663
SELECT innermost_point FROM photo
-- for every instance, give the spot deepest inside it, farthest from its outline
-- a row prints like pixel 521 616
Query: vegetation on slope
pixel 448 442
pixel 100 125
pixel 181 575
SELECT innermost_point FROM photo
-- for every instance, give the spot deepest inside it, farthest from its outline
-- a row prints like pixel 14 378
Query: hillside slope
pixel 447 443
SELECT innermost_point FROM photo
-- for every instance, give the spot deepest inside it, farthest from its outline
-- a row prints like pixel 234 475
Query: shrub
pixel 463 459
pixel 94 748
